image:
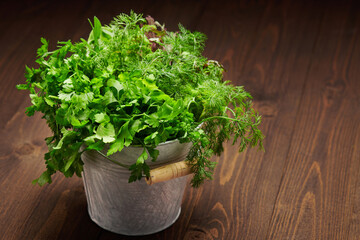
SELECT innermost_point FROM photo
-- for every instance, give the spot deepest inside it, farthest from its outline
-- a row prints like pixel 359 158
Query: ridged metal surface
pixel 132 208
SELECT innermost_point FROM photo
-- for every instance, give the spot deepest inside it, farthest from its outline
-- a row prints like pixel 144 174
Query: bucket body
pixel 133 208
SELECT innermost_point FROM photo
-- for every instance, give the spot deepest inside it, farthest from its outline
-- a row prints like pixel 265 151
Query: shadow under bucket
pixel 133 208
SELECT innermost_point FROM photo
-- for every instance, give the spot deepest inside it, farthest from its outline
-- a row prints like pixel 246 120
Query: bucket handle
pixel 168 172
pixel 160 174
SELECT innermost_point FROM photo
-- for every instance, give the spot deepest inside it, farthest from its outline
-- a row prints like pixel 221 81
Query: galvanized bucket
pixel 133 208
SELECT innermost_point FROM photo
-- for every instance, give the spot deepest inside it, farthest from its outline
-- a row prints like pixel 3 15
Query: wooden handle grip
pixel 168 172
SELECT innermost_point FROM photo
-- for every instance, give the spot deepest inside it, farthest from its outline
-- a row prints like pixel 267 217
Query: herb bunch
pixel 132 82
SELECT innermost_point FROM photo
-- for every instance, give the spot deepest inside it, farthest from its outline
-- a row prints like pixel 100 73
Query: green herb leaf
pixel 124 139
pixel 142 158
pixel 97 29
pixel 154 153
pixel 70 161
pixel 102 118
pixel 116 84
pixel 43 179
pixel 106 132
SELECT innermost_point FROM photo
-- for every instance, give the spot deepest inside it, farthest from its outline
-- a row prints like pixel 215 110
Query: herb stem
pixel 217 117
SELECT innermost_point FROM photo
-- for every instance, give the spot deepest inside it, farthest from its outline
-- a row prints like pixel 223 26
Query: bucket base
pixel 142 234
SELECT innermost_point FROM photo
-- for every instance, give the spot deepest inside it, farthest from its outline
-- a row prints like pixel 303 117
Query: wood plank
pixel 59 209
pixel 353 73
pixel 258 50
pixel 316 196
pixel 353 219
pixel 30 212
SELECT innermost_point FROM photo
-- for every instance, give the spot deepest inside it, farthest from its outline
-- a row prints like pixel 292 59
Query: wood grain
pixel 299 59
pixel 275 73
pixel 316 194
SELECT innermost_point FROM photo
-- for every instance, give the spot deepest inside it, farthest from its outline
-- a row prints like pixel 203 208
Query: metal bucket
pixel 133 208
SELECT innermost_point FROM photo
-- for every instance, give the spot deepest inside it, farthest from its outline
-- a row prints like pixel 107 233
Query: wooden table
pixel 301 62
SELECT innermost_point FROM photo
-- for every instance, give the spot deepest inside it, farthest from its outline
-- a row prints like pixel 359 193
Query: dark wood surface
pixel 301 62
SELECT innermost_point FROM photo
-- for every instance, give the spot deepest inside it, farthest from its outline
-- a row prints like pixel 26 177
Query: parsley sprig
pixel 132 82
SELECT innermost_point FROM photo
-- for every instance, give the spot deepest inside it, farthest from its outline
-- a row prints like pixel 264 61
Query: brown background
pixel 301 62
